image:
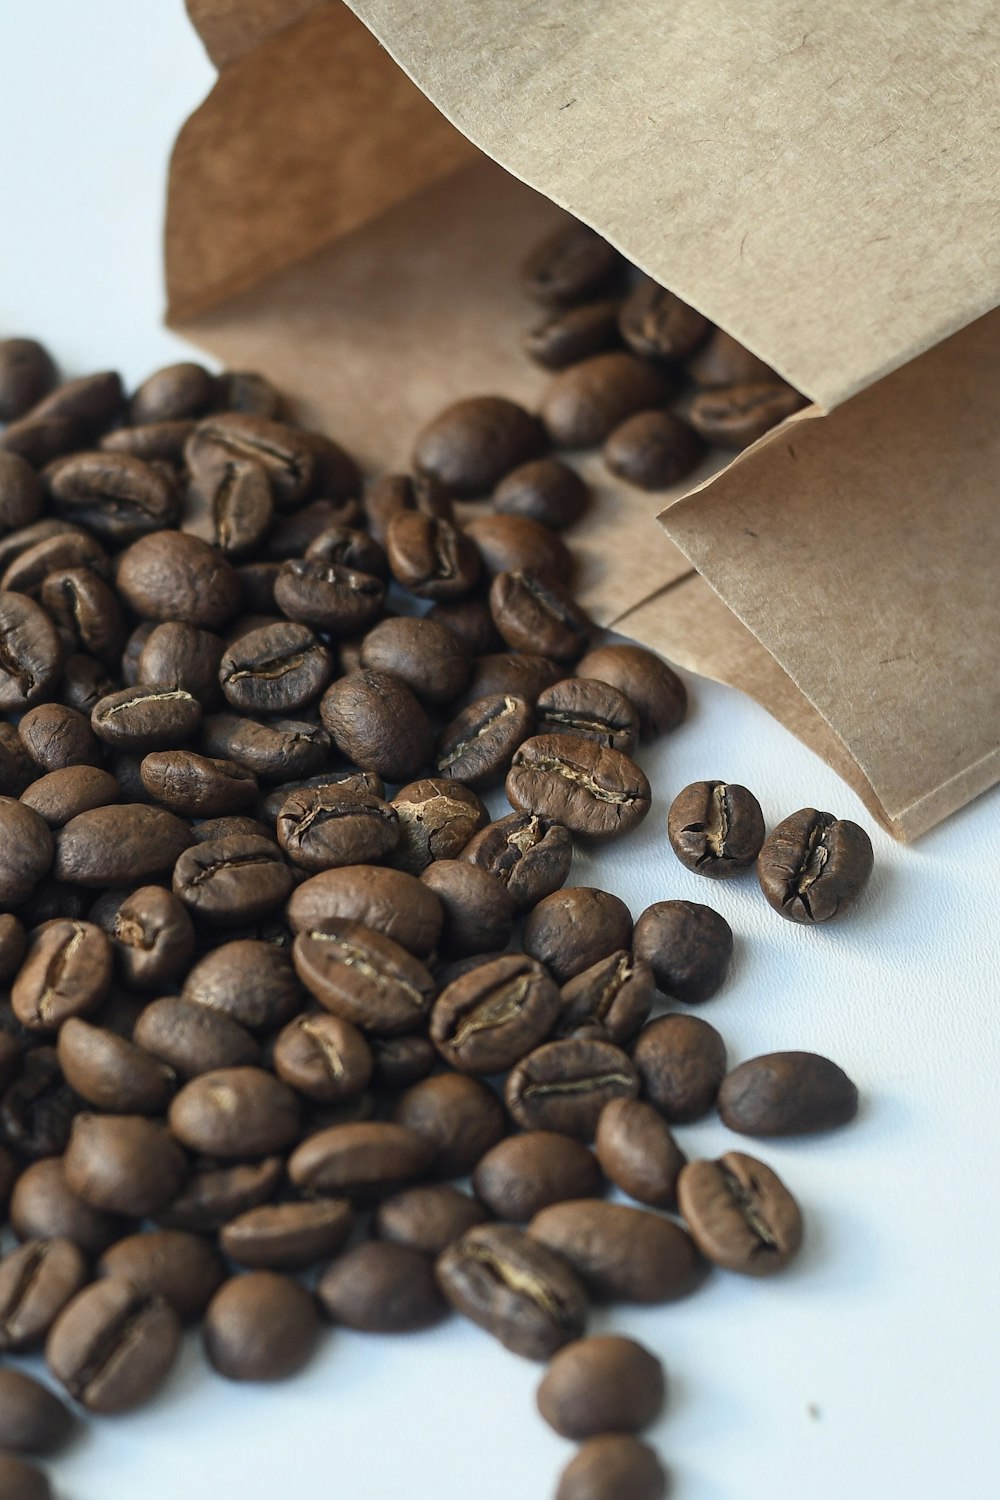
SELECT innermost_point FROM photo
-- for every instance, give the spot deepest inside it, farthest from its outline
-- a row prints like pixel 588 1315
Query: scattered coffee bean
pixel 66 972
pixel 721 360
pixel 470 620
pixel 319 827
pixel 391 902
pixel 287 1236
pixel 570 334
pixel 600 1384
pixel 173 576
pixel 235 1113
pixel 192 1039
pixel 215 1195
pixel 431 558
pixel 27 373
pixel 196 786
pixel 589 708
pixel 574 928
pixel 378 723
pixel 654 322
pixel 471 445
pixel 638 1153
pixel 814 866
pixel 260 1326
pixel 510 544
pixel 477 746
pixel 545 490
pixel 123 1164
pixel 570 265
pixel 615 994
pixel 119 846
pixel 523 1174
pixel 787 1093
pixel 359 1161
pixel 740 1214
pixel 275 751
pixel 564 1085
pixel 655 689
pixel 437 818
pixel 230 880
pixel 653 450
pixel 32 652
pixel 688 947
pixel 522 676
pixel 323 1058
pixel 64 794
pixel 594 792
pixel 621 1254
pixel 585 403
pixel 111 1073
pixel 532 611
pixel 716 828
pixel 56 736
pixel 428 1218
pixel 380 1287
pixel 363 976
pixel 182 1268
pixel 681 1062
pixel 274 669
pixel 613 1467
pixel 528 854
pixel 488 1019
pixel 43 1207
pixel 478 909
pixel 37 1280
pixel 459 1117
pixel 113 1346
pixel 32 1419
pixel 431 659
pixel 735 416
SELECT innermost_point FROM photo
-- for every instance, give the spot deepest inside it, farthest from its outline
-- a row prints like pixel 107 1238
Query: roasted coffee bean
pixel 287 1236
pixel 328 596
pixel 740 1214
pixel 734 416
pixel 573 333
pixel 428 1218
pixel 429 657
pixel 161 442
pixel 20 1480
pixel 525 1173
pixel 123 1164
pixel 250 980
pixel 528 854
pixel 594 792
pixel 113 1346
pixel 225 881
pixel 17 770
pixel 814 866
pixel 31 653
pixel 56 737
pixel 21 492
pixel 437 818
pixel 286 455
pixel 112 1073
pixel 27 373
pixel 182 1268
pixel 459 1117
pixel 139 719
pixel 215 1195
pixel 228 501
pixel 387 901
pixel 153 937
pixel 721 360
pixel 489 1018
pixel 116 495
pixel 363 976
pixel 564 1085
pixel 470 620
pixel 508 543
pixel 378 723
pixel 177 655
pixel 245 390
pixel 81 603
pixel 402 1060
pixel 36 1282
pixel 638 1153
pixel 235 1113
pixel 349 548
pixel 787 1093
pixel 40 439
pixel 716 828
pixel 656 324
pixel 477 746
pixel 585 403
pixel 589 708
pixel 32 1419
pixel 274 669
pixel 621 1254
pixel 324 1058
pixel 613 1467
pixel 380 1287
pixel 195 786
pixel 111 846
pixel 192 1039
pixel 570 265
pixel 471 445
pixel 601 1384
pixel 533 611
pixel 43 1207
pixel 173 576
pixel 688 946
pixel 66 972
pixel 545 490
pixel 521 676
pixel 654 689
pixel 359 1160
pixel 575 928
pixel 66 546
pixel 279 750
pixel 13 945
pixel 431 558
pixel 515 1288
pixel 681 1061
pixel 181 390
pixel 653 450
pixel 26 851
pixel 361 783
pixel 319 827
pixel 615 993
pixel 85 682
pixel 386 496
pixel 260 1326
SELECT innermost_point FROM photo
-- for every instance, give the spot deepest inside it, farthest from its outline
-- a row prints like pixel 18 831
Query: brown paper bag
pixel 820 179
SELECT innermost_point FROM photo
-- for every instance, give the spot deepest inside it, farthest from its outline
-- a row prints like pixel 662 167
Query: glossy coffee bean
pixel 235 1113
pixel 688 946
pixel 638 1153
pixel 575 928
pixel 27 373
pixel 431 659
pixel 613 1467
pixel 327 596
pixel 477 745
pixel 228 501
pixel 33 653
pixel 535 613
pixel 594 792
pixel 589 708
pixel 523 1174
pixel 181 390
pixel 716 828
pixel 153 441
pixel 734 416
pixel 191 1039
pixel 231 880
pixel 523 675
pixel 153 937
pixel 274 669
pixel 319 827
pixel 740 1214
pixel 196 786
pixel 385 900
pixel 681 1061
pixel 436 819
pixel 359 1161
pixel 787 1093
pixel 177 655
pixel 116 495
pixel 37 1280
pixel 287 1236
pixel 431 558
pixel 56 736
pixel 653 450
pixel 21 494
pixel 172 576
pixel 32 1419
pixel 471 445
pixel 386 496
pixel 123 1164
pixel 380 1287
pixel 17 770
pixel 182 1268
pixel 585 403
pixel 654 689
pixel 119 846
pixel 509 543
pixel 573 333
pixel 570 265
pixel 278 750
pixel 478 910
pixel 111 1073
pixel 323 1058
pixel 655 323
pixel 459 1117
pixel 601 1384
pixel 349 548
pixel 81 603
pixel 363 977
pixel 545 490
pixel 139 719
pixel 43 1207
pixel 64 794
pixel 260 1326
pixel 113 1346
pixel 621 1254
pixel 66 972
pixel 285 454
pixel 616 994
pixel 564 1085
pixel 427 1218
pixel 814 866
pixel 215 1195
pixel 489 1018
pixel 50 546
pixel 378 724
pixel 528 854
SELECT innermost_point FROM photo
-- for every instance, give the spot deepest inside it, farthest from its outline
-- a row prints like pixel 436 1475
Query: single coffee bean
pixel 112 1073
pixel 589 708
pixel 260 1326
pixel 437 818
pixel 324 1058
pixel 471 445
pixel 478 911
pixel 245 390
pixel 787 1093
pixel 116 846
pixel 363 977
pixel 27 373
pixel 736 415
pixel 319 827
pixel 276 751
pixel 574 928
pixel 287 1236
pixel 585 403
pixel 509 544
pixel 594 792
pixel 358 1161
pixel 56 736
pixel 528 854
pixel 153 937
pixel 605 1383
pixel 21 493
pixel 172 576
pixel 459 1117
pixel 688 946
pixel 546 491
pixel 722 360
pixel 64 794
pixel 32 1419
pixel 613 1467
pixel 653 450
pixel 621 1254
pixel 523 1174
pixel 489 1018
pixel 515 1288
pixel 113 1346
pixel 177 655
pixel 274 669
pixel 477 746
pixel 428 1218
pixel 638 1153
pixel 154 442
pixel 402 1060
pixel 681 1061
pixel 191 1039
pixel 228 501
pixel 328 596
pixel 43 1207
pixel 40 439
pixel 37 1280
pixel 430 558
pixel 378 723
pixel 181 390
pixel 195 786
pixel 573 333
pixel 533 611
pixel 139 719
pixel 182 1268
pixel 654 689
pixel 116 495
pixel 225 881
pixel 615 993
pixel 286 455
pixel 215 1195
pixel 656 324
pixel 66 972
pixel 249 980
pixel 380 1287
pixel 429 657
pixel 814 866
pixel 123 1164
pixel 387 901
pixel 571 265
pixel 386 496
pixel 32 654
pixel 80 602
pixel 716 828
pixel 740 1214
pixel 564 1085
pixel 235 1113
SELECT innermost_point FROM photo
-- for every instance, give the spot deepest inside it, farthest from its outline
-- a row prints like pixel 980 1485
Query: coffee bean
pixel 386 496
pixel 429 658
pixel 621 1254
pixel 601 1384
pixel 470 620
pixel 402 1060
pixel 235 1113
pixel 275 751
pixel 363 977
pixel 431 558
pixel 488 1019
pixel 734 416
pixel 655 690
pixel 525 1173
pixel 358 1161
pixel 589 708
pixel 177 655
pixel 260 1326
pixel 140 719
pixel 154 442
pixel 437 818
pixel 814 866
pixel 528 854
pixel 85 682
pixel 153 937
pixel 533 611
pixel 36 1282
pixel 125 845
pixel 181 390
pixel 182 1268
pixel 66 972
pixel 48 547
pixel 195 786
pixel 478 910
pixel 192 1039
pixel 653 450
pixel 378 724
pixel 227 502
pixel 574 928
pixel 328 596
pixel 787 1093
pixel 740 1214
pixel 324 1058
pixel 721 360
pixel 56 736
pixel 27 373
pixel 585 403
pixel 613 1467
pixel 688 947
pixel 681 1062
pixel 113 1346
pixel 616 994
pixel 716 828
pixel 112 1073
pixel 173 576
pixel 215 1195
pixel 477 746
pixel 21 492
pixel 275 669
pixel 123 1164
pixel 332 825
pixel 381 1287
pixel 573 333
pixel 287 1236
pixel 31 656
pixel 348 547
pixel 522 676
pixel 286 455
pixel 428 1218
pixel 570 265
pixel 638 1153
pixel 564 1085
pixel 594 792
pixel 80 602
pixel 509 543
pixel 116 495
pixel 26 851
pixel 40 439
pixel 459 1117
pixel 515 1288
pixel 655 323
pixel 546 491
pixel 387 901
pixel 32 1419
pixel 471 445
pixel 225 881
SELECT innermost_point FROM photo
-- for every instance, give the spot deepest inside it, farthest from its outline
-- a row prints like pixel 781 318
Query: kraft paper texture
pixel 819 179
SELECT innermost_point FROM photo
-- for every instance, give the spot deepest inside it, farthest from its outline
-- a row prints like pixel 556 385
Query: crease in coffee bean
pixel 109 1345
pixel 235 861
pixel 55 968
pixel 744 1199
pixel 578 1085
pixel 504 710
pixel 521 1282
pixel 812 863
pixel 502 1006
pixel 330 1057
pixel 167 695
pixel 271 668
pixel 37 1253
pixel 593 786
pixel 355 958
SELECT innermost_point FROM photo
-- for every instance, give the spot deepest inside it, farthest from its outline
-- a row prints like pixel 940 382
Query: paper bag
pixel 818 178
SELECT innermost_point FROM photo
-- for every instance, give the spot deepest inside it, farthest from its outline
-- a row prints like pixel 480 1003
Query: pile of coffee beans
pixel 275 982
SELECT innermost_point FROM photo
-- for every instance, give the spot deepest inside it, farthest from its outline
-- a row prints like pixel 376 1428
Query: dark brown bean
pixel 477 746
pixel 601 1384
pixel 459 1117
pixel 523 676
pixel 181 390
pixel 66 972
pixel 721 360
pixel 437 818
pixel 740 1214
pixel 56 736
pixel 235 1113
pixel 638 1153
pixel 153 441
pixel 585 403
pixel 429 658
pixel 814 866
pixel 546 490
pixel 573 333
pixel 387 901
pixel 653 450
pixel 230 880
pixel 655 323
pixel 363 976
pixel 532 611
pixel 594 792
pixel 402 1060
pixel 22 1481
pixel 613 1467
pixel 386 496
pixel 182 1268
pixel 528 854
pixel 21 494
pixel 32 1419
pixel 655 689
pixel 589 708
pixel 192 1039
pixel 687 945
pixel 116 846
pixel 123 1164
pixel 564 1085
pixel 523 1174
pixel 276 751
pixel 37 1280
pixel 319 827
pixel 427 1218
pixel 112 1073
pixel 621 1254
pixel 430 558
pixel 116 495
pixel 274 669
pixel 734 416
pixel 486 1020
pixel 173 576
pixel 478 910
pixel 31 657
pixel 42 1207
pixel 177 655
pixel 65 794
pixel 113 1346
pixel 328 596
pixel 27 373
pixel 615 994
pixel 574 928
pixel 260 1326
pixel 787 1093
pixel 286 455
pixel 324 1058
pixel 570 265
pixel 509 543
pixel 153 937
pixel 716 828
pixel 287 1236
pixel 471 445
pixel 378 724
pixel 380 1287
pixel 681 1061
pixel 215 1195
pixel 359 1160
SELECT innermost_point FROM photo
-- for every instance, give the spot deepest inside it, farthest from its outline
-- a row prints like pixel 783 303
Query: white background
pixel 869 1371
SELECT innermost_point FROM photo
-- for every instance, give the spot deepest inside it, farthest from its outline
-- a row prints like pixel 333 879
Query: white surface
pixel 868 1372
